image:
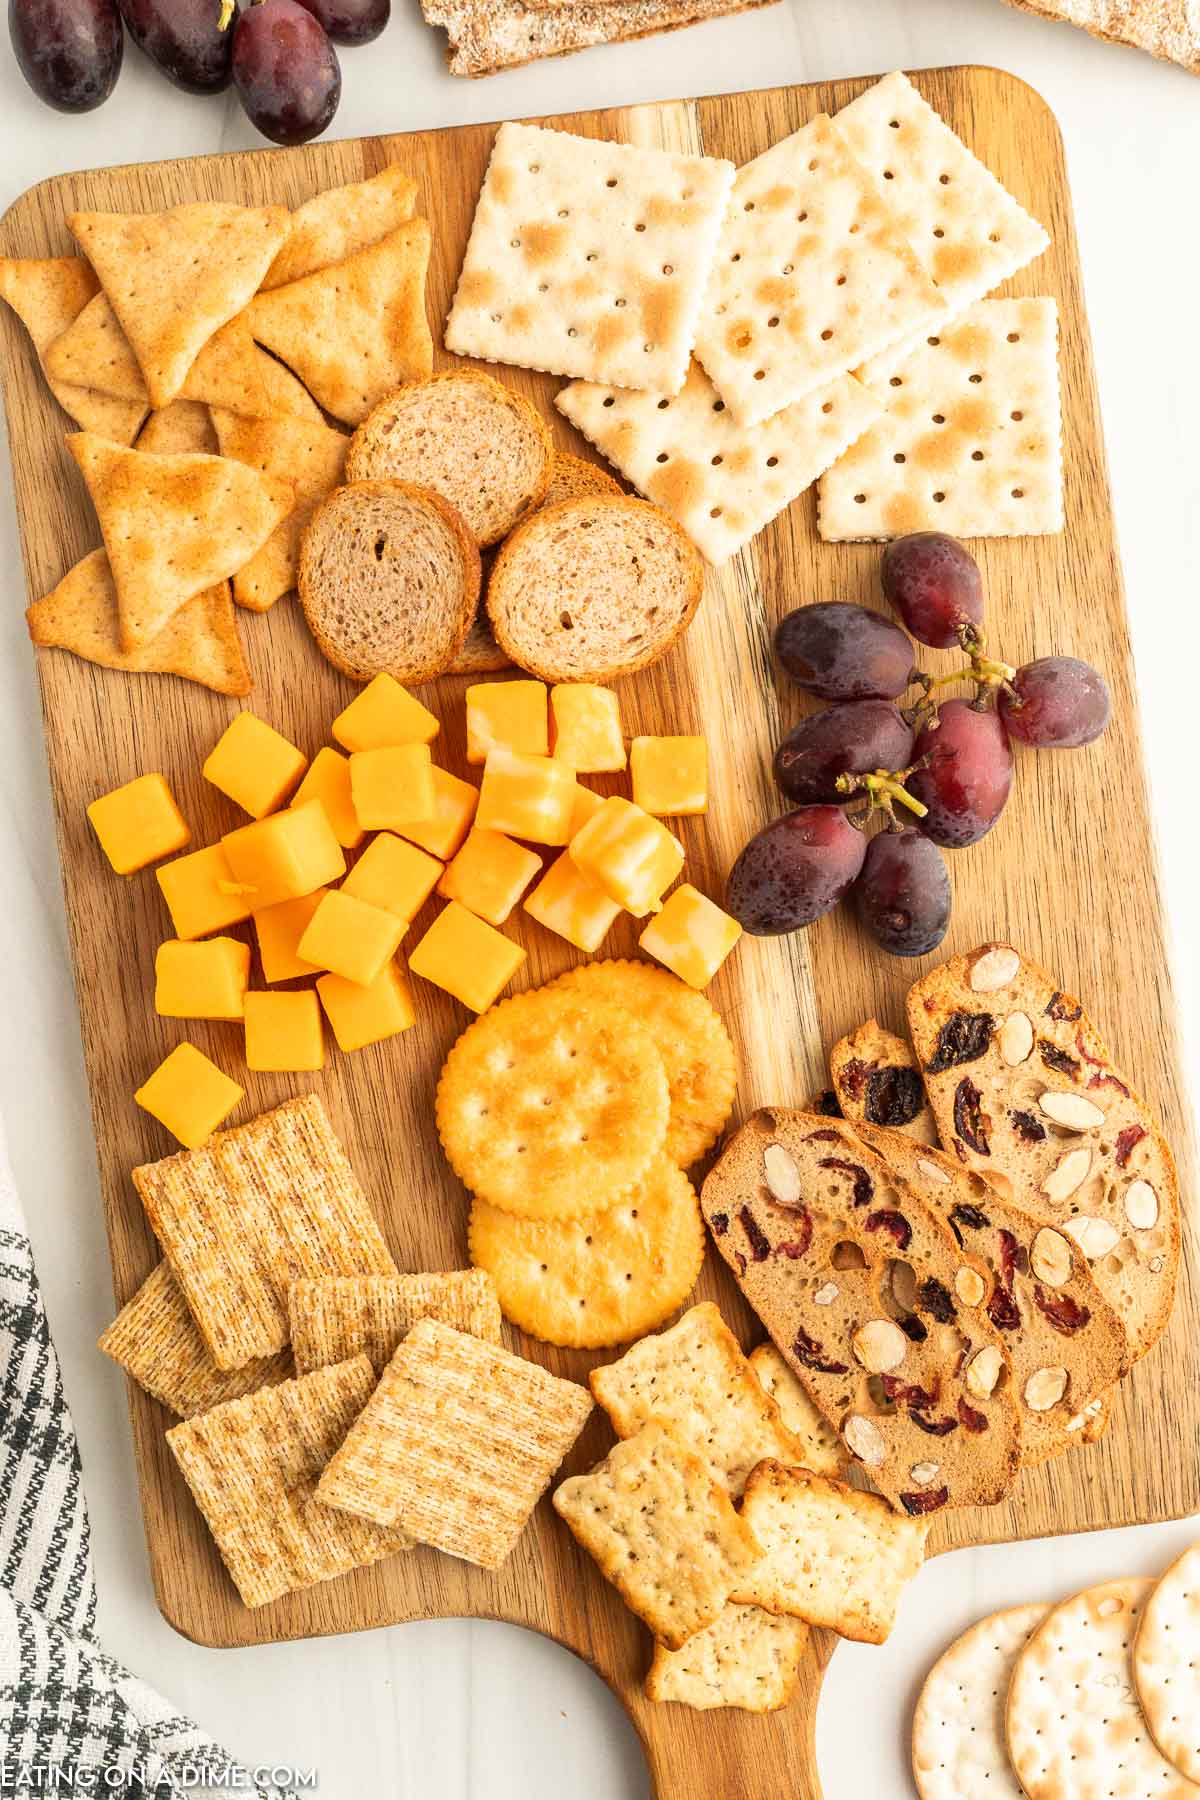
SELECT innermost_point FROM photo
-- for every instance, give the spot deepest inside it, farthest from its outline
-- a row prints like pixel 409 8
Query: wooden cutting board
pixel 1069 874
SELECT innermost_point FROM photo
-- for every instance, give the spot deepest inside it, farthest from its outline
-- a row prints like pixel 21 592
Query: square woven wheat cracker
pixel 746 1658
pixel 253 1210
pixel 486 35
pixel 367 1315
pixel 832 1555
pixel 589 258
pixel 723 482
pixel 457 1445
pixel 812 276
pixel 155 1340
pixel 821 1449
pixel 252 1465
pixel 971 442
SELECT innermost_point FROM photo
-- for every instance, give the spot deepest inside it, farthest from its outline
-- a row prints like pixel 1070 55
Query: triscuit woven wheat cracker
pixel 335 224
pixel 971 441
pixel 746 1658
pixel 589 258
pixel 1166 1663
pixel 821 1449
pixel 48 294
pixel 253 1210
pixel 155 1340
pixel 502 34
pixel 832 1555
pixel 458 1443
pixel 812 276
pixel 333 1318
pixel 721 481
pixel 958 1750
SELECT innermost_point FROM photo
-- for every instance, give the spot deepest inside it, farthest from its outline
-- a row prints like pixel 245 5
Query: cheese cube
pixel 507 715
pixel 285 855
pixel 384 714
pixel 392 787
pixel 365 1015
pixel 189 1095
pixel 489 875
pixel 283 1032
pixel 587 803
pixel 628 854
pixel 201 981
pixel 394 875
pixel 201 893
pixel 350 937
pixel 138 823
pixel 527 797
pixel 279 930
pixel 691 935
pixel 566 902
pixel 466 957
pixel 328 780
pixel 254 765
pixel 587 728
pixel 670 774
pixel 454 804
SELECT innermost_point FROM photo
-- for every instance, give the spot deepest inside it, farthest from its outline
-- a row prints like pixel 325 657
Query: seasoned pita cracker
pixel 185 428
pixel 341 221
pixel 821 1449
pixel 958 1749
pixel 457 1445
pixel 333 1318
pixel 95 347
pixel 47 296
pixel 1166 1663
pixel 746 1658
pixel 311 456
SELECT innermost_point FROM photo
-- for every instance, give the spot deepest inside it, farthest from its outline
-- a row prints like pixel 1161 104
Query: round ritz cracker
pixel 688 1033
pixel 551 1105
pixel 1166 1663
pixel 958 1749
pixel 603 1278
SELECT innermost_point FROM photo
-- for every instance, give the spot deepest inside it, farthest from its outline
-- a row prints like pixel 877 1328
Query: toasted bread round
pixel 389 580
pixel 467 437
pixel 593 589
pixel 571 478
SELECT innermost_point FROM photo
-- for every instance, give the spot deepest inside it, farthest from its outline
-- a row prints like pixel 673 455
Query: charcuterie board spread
pixel 481 1067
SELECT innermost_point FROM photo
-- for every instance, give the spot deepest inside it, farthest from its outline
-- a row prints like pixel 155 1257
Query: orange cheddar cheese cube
pixel 529 797
pixel 328 780
pixel 566 902
pixel 383 715
pixel 279 930
pixel 691 936
pixel 587 803
pixel 189 1095
pixel 393 786
pixel 587 728
pixel 489 875
pixel 138 824
pixel 670 775
pixel 285 855
pixel 507 715
pixel 254 765
pixel 454 805
pixel 351 938
pixel 283 1032
pixel 628 854
pixel 201 981
pixel 467 957
pixel 201 893
pixel 393 875
pixel 366 1015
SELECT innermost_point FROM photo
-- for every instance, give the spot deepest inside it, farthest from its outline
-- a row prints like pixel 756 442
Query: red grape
pixel 903 892
pixel 968 776
pixel 185 39
pixel 350 21
pixel 1061 703
pixel 933 582
pixel 795 869
pixel 285 70
pixel 855 738
pixel 69 51
pixel 840 651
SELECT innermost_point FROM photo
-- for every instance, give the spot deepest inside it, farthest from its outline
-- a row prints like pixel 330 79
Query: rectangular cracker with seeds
pixel 368 1315
pixel 821 1449
pixel 746 1658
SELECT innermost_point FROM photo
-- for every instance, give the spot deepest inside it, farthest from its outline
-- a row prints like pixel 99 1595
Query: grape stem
pixel 884 790
pixel 988 674
pixel 228 8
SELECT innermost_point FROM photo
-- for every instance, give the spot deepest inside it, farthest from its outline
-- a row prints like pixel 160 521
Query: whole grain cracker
pixel 312 457
pixel 1166 1663
pixel 588 258
pixel 958 1749
pixel 503 34
pixel 332 1318
pixel 571 478
pixel 48 294
pixel 340 221
pixel 821 1449
pixel 184 427
pixel 746 1658
pixel 457 1445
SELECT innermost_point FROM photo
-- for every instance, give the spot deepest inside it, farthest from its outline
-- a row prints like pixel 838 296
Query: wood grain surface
pixel 1069 875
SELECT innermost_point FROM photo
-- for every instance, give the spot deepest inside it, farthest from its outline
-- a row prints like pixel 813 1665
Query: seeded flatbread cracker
pixel 503 34
pixel 878 1082
pixel 662 1530
pixel 958 1748
pixel 312 457
pixel 821 1450
pixel 183 427
pixel 48 294
pixel 332 1318
pixel 746 1658
pixel 1166 1664
pixel 600 1279
pixel 457 1445
pixel 335 224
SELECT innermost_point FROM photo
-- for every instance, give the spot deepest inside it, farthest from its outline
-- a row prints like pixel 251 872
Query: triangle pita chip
pixel 314 457
pixel 357 330
pixel 334 225
pixel 174 278
pixel 184 427
pixel 200 642
pixel 95 350
pixel 48 294
pixel 174 525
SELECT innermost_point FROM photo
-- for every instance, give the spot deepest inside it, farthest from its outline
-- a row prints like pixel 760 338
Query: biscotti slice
pixel 877 1082
pixel 1025 1092
pixel 467 437
pixel 593 589
pixel 389 580
pixel 853 1276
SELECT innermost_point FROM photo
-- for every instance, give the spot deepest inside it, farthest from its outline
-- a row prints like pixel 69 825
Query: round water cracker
pixel 1166 1663
pixel 549 1105
pixel 1074 1727
pixel 958 1748
pixel 694 1045
pixel 591 1282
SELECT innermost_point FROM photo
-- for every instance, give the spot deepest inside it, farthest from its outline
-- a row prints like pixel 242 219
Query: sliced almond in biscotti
pixel 467 437
pixel 389 580
pixel 593 589
pixel 853 1276
pixel 877 1082
pixel 1025 1092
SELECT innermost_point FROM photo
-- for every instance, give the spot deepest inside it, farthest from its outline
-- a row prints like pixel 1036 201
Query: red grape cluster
pixel 938 772
pixel 279 54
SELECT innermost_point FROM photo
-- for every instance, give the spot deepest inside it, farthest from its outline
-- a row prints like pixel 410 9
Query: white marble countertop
pixel 461 1711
